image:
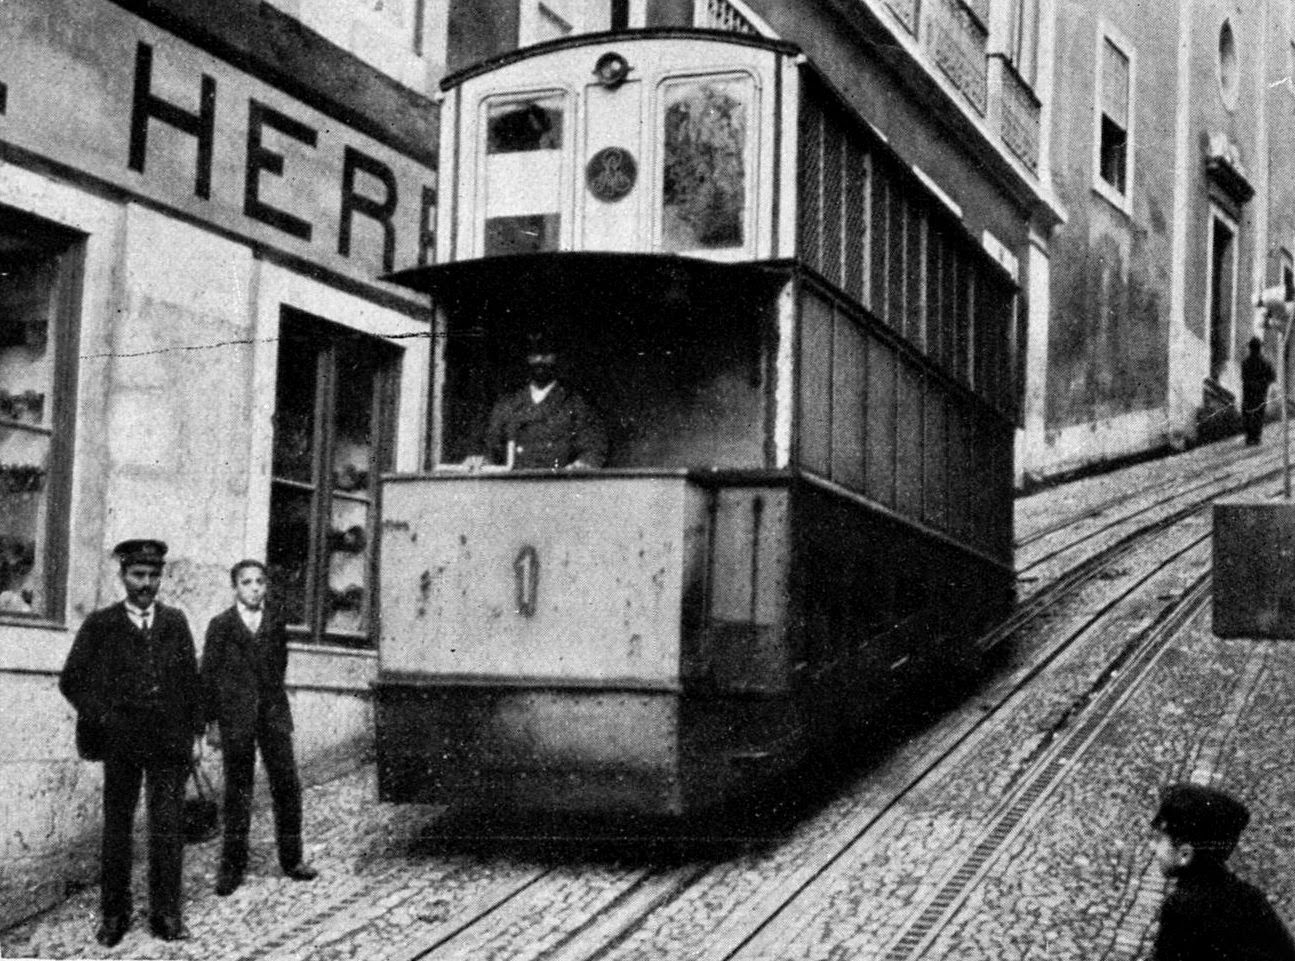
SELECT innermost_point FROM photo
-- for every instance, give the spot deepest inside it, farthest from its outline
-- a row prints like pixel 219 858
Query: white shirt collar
pixel 140 613
pixel 539 393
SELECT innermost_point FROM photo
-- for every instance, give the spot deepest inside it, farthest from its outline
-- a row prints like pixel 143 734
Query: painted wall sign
pixel 92 88
pixel 611 173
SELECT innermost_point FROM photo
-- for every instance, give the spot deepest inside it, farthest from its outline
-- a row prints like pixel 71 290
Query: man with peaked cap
pixel 1211 914
pixel 545 424
pixel 132 676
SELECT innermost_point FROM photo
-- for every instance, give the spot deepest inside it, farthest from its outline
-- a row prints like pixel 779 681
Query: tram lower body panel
pixel 685 640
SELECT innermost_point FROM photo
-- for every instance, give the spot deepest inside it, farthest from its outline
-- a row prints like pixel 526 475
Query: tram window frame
pixel 322 360
pixel 551 227
pixel 750 162
pixel 39 565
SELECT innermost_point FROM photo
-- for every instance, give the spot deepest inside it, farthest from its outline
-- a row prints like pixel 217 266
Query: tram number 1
pixel 526 579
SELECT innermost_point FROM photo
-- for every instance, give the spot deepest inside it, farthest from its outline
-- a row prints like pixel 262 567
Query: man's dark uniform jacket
pixel 551 434
pixel 133 697
pixel 139 707
pixel 243 675
pixel 1212 915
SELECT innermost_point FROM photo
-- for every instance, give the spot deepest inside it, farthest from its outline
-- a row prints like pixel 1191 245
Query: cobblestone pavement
pixel 1072 879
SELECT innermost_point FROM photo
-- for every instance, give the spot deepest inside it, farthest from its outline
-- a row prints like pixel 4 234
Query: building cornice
pixel 268 44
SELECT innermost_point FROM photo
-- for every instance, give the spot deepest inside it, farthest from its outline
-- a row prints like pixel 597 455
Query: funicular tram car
pixel 804 364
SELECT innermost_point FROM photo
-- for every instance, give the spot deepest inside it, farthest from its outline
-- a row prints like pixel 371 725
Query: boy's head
pixel 248 579
pixel 1196 824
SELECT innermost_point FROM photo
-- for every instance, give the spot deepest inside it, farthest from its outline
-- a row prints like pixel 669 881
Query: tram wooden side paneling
pixel 815 513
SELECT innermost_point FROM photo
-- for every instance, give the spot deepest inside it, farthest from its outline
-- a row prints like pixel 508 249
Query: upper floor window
pixel 1114 135
pixel 39 284
pixel 1023 39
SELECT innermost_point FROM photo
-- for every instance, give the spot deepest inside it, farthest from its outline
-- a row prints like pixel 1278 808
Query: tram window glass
pixel 525 126
pixel 703 198
pixel 331 439
pixel 37 311
pixel 524 140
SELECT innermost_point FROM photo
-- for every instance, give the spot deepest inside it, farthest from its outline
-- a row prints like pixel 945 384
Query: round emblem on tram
pixel 611 173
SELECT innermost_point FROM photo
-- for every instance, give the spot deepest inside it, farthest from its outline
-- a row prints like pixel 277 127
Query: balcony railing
pixel 958 42
pixel 722 15
pixel 1019 117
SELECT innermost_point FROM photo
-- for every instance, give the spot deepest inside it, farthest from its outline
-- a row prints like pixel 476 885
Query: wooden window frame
pixel 1121 199
pixel 68 247
pixel 326 337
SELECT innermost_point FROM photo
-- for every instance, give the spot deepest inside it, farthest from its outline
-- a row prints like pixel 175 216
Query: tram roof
pixel 561 274
pixel 617 36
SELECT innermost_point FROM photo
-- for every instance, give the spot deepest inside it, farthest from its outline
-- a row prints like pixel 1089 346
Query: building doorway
pixel 1221 295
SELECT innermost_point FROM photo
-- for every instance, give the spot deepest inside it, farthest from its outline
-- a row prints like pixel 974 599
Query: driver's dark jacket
pixel 560 429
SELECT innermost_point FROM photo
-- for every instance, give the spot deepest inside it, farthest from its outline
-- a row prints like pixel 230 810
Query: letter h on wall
pixel 201 125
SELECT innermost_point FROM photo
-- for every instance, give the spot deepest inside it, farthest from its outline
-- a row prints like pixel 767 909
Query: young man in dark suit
pixel 132 676
pixel 243 666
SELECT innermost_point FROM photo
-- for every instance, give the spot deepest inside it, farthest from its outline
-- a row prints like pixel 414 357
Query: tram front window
pixel 524 150
pixel 652 377
pixel 703 195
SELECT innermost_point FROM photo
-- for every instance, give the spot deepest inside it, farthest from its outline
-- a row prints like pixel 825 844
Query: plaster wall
pixel 1111 263
pixel 1211 117
pixel 404 39
pixel 1128 347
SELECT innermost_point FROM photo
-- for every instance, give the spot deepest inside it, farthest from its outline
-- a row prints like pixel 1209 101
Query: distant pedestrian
pixel 244 661
pixel 1256 377
pixel 132 676
pixel 1211 914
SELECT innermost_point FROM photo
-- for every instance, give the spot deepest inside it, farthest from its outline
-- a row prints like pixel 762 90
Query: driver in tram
pixel 545 425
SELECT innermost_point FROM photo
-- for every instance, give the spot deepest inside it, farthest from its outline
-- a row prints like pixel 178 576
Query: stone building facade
pixel 196 203
pixel 1170 133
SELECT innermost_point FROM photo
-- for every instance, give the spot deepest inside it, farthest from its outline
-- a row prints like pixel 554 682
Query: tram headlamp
pixel 611 70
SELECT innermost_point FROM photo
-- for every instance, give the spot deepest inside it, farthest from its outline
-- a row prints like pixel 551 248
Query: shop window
pixel 524 141
pixel 703 198
pixel 1114 135
pixel 334 401
pixel 39 301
